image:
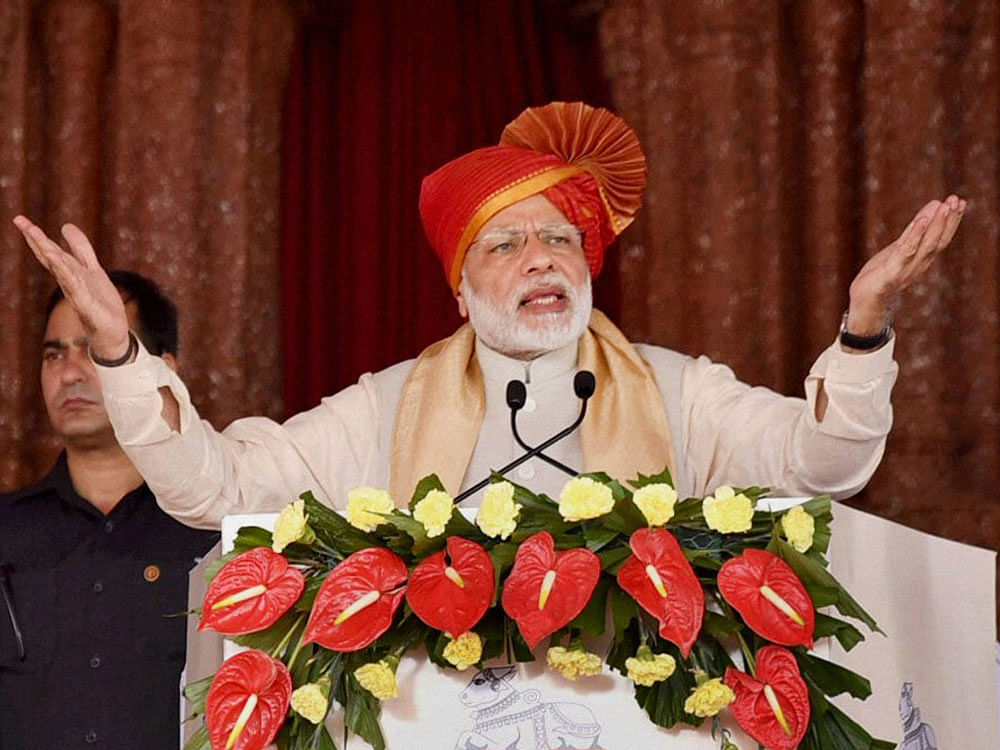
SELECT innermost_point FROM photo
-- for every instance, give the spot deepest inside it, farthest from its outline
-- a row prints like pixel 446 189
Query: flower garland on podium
pixel 319 604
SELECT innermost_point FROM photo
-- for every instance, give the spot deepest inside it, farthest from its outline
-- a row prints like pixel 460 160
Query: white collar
pixel 499 367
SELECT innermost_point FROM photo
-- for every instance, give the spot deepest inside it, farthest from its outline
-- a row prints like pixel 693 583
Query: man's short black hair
pixel 157 313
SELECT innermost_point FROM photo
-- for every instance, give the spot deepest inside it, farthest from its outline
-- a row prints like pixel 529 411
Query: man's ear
pixel 463 310
pixel 170 360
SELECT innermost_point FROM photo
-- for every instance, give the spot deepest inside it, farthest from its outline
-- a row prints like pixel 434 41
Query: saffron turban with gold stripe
pixel 586 161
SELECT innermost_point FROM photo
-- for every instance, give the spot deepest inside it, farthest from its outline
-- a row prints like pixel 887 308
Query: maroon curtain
pixel 380 95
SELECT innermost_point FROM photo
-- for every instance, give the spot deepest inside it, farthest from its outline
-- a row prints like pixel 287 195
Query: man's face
pixel 70 386
pixel 525 281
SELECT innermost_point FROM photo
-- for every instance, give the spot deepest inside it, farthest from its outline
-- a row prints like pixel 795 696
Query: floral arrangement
pixel 328 604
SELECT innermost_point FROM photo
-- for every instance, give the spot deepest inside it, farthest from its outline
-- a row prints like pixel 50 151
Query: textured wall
pixel 155 126
pixel 789 141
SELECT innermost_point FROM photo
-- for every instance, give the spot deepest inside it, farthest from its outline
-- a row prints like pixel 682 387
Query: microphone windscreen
pixel 584 384
pixel 517 394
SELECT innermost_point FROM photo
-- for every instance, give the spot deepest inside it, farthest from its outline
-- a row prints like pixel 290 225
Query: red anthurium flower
pixel 357 601
pixel 546 589
pixel 250 593
pixel 659 577
pixel 248 701
pixel 772 600
pixel 773 708
pixel 452 589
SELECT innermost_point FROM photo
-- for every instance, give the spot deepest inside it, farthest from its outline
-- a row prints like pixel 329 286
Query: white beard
pixel 500 328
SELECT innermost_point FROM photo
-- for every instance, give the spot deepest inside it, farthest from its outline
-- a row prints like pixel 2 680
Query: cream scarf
pixel 443 401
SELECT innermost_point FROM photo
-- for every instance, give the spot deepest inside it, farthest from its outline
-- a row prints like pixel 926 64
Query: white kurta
pixel 723 431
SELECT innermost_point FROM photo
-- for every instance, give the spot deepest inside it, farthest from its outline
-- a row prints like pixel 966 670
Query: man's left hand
pixel 876 290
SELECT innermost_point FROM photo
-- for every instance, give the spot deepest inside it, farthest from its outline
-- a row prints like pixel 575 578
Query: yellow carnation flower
pixel 799 528
pixel 291 526
pixel 311 700
pixel 573 662
pixel 363 503
pixel 434 511
pixel 647 668
pixel 379 678
pixel 656 501
pixel 582 498
pixel 464 651
pixel 497 514
pixel 728 512
pixel 710 697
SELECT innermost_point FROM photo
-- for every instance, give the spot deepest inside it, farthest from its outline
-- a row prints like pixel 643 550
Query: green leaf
pixel 269 638
pixel 196 692
pixel 407 525
pixel 626 641
pixel 361 714
pixel 613 559
pixel 687 510
pixel 502 556
pixel 664 700
pixel 832 729
pixel 624 517
pixel 425 485
pixel 624 610
pixel 518 645
pixel 199 740
pixel 592 617
pixel 459 525
pixel 711 655
pixel 831 678
pixel 491 630
pixel 821 509
pixel 313 585
pixel 822 596
pixel 662 478
pixel 333 530
pixel 251 537
pixel 848 635
pixel 720 627
pixel 538 513
pixel 598 537
pixel 812 573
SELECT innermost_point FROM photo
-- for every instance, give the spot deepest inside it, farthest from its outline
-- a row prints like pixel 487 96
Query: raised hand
pixel 85 284
pixel 876 290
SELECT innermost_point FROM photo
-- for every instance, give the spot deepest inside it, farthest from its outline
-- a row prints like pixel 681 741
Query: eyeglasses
pixel 9 604
pixel 507 241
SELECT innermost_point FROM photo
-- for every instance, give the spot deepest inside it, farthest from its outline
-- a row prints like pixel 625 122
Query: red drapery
pixel 380 95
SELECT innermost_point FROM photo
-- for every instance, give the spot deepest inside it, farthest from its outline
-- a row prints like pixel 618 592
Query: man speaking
pixel 521 229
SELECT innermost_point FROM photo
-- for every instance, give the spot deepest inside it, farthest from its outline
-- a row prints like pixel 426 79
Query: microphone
pixel 584 384
pixel 517 395
pixel 583 387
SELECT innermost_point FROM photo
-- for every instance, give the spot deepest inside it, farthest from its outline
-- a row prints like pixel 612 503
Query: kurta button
pixel 95 662
pixel 526 472
pixel 109 526
pixel 151 573
pixel 98 587
pixel 529 405
pixel 90 737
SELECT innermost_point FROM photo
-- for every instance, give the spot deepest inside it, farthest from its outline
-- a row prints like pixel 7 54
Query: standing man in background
pixel 94 574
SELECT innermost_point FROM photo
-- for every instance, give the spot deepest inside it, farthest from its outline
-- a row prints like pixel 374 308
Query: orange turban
pixel 587 161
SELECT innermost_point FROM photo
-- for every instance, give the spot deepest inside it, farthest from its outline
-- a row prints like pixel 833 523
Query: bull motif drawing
pixel 509 719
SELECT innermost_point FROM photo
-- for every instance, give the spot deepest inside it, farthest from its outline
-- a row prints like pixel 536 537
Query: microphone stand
pixel 517 395
pixel 584 388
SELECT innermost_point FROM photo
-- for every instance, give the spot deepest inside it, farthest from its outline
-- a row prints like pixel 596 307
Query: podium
pixel 934 674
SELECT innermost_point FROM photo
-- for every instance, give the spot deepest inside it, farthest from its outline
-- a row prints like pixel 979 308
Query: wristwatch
pixel 864 343
pixel 133 348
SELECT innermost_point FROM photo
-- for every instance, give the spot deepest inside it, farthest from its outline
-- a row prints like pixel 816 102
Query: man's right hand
pixel 85 284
